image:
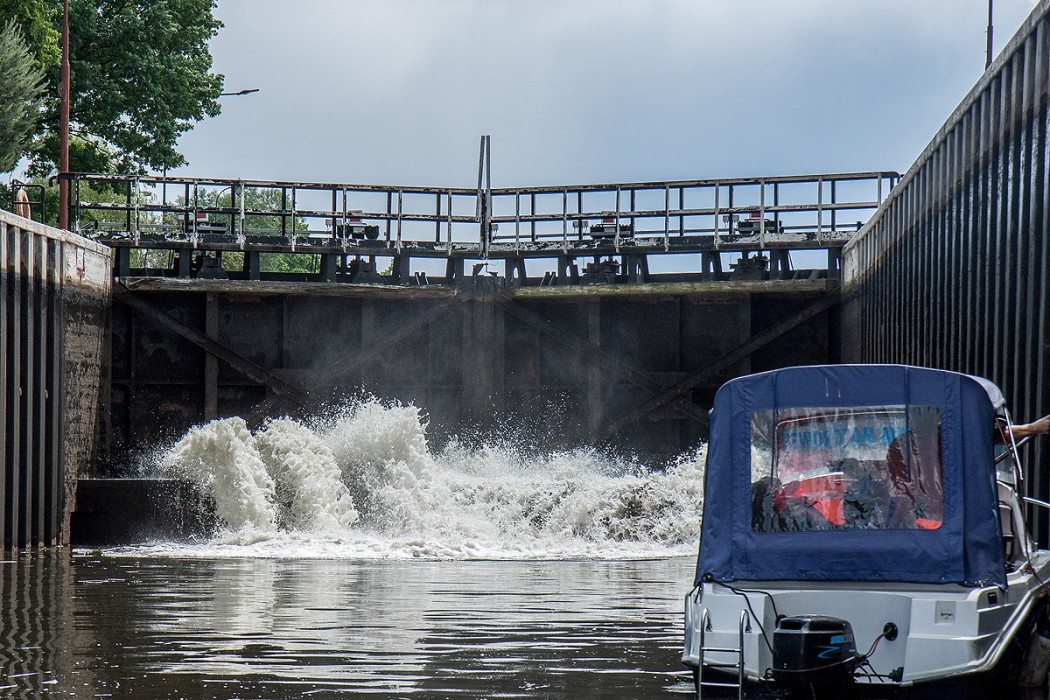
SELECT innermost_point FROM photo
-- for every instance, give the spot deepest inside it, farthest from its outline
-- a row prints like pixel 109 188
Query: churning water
pixel 355 558
pixel 363 483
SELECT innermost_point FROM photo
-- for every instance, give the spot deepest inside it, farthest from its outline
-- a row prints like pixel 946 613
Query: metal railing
pixel 800 211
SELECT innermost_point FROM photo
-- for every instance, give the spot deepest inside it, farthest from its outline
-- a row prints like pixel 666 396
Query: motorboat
pixel 864 524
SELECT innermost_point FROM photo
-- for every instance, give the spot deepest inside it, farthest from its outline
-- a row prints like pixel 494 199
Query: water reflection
pixel 95 626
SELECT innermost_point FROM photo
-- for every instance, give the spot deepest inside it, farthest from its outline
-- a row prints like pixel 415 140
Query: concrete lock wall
pixel 952 270
pixel 552 366
pixel 54 301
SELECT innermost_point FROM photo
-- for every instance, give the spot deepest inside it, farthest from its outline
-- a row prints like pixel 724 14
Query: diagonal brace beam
pixel 339 368
pixel 238 362
pixel 590 351
pixel 720 364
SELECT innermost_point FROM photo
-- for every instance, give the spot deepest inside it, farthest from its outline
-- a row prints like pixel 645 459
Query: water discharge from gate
pixel 362 482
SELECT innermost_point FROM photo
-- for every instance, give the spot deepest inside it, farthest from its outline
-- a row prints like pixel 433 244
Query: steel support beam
pixel 238 362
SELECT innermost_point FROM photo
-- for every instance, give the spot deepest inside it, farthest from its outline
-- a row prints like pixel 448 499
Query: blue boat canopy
pixel 853 473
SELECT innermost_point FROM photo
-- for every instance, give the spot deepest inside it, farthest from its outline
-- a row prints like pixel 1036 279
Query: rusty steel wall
pixel 951 272
pixel 544 367
pixel 54 300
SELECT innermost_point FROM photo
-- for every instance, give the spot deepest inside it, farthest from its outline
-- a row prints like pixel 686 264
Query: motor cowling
pixel 813 649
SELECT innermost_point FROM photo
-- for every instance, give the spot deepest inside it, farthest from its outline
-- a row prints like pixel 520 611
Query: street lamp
pixel 164 173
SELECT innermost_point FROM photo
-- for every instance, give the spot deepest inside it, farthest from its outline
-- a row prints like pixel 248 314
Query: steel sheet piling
pixel 952 269
pixel 42 303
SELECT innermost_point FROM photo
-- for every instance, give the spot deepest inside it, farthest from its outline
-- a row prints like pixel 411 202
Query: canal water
pixel 352 557
pixel 93 625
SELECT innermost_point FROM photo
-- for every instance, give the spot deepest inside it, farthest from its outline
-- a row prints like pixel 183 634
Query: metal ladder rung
pixel 722 665
pixel 745 625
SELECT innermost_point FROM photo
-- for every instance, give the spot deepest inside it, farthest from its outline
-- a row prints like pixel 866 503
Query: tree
pixel 21 87
pixel 258 199
pixel 36 18
pixel 141 77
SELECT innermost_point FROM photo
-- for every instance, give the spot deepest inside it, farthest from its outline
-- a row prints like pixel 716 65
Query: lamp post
pixel 63 121
pixel 246 91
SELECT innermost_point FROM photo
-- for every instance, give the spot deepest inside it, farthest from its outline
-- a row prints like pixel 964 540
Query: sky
pixel 582 91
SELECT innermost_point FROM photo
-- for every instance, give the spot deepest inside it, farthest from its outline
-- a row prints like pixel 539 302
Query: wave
pixel 362 482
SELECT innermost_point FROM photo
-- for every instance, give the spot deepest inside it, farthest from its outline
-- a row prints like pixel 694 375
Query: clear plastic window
pixel 876 467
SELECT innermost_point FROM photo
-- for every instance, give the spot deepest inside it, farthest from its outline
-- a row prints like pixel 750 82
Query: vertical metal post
pixel 14 374
pixel 762 214
pixel 776 207
pixel 488 192
pixel 565 221
pixel 833 212
pixel 820 209
pixel 135 184
pixel 400 205
pixel 344 236
pixel 76 206
pixel 63 121
pixel 240 226
pixel 40 374
pixel 6 437
pixel 292 234
pixel 28 394
pixel 717 217
pixel 56 407
pixel 196 198
pixel 579 210
pixel 532 212
pixel 667 216
pixel 333 220
pixel 389 213
pixel 681 208
pixel 448 230
pixel 437 217
pixel 988 48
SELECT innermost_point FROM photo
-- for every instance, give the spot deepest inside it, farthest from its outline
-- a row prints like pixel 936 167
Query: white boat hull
pixel 944 631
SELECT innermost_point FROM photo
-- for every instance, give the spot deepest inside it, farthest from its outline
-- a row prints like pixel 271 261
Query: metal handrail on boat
pixel 1035 502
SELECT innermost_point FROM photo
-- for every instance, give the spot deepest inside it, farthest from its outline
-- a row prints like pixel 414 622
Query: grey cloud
pixel 586 90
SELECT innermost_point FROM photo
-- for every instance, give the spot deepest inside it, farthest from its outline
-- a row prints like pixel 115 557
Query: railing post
pixel 762 214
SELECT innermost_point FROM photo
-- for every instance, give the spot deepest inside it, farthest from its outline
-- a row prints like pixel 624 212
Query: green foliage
pixel 36 19
pixel 141 77
pixel 288 262
pixel 259 199
pixel 255 198
pixel 21 87
pixel 89 192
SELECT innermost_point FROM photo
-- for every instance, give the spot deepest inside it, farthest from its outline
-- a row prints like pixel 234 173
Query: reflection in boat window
pixel 865 467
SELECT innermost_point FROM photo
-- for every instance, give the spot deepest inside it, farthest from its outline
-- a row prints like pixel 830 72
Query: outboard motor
pixel 814 649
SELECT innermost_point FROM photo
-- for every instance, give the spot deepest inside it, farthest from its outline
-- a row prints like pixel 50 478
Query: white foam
pixel 221 458
pixel 308 482
pixel 363 483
